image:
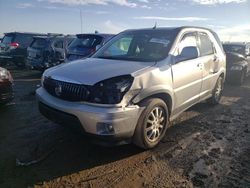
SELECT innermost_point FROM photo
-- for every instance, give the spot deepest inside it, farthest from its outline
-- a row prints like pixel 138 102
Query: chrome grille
pixel 65 90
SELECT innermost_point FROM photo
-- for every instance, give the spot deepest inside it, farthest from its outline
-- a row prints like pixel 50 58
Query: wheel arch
pixel 163 95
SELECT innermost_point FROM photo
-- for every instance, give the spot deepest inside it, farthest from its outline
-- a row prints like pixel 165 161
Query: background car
pixel 238 61
pixel 85 44
pixel 6 81
pixel 14 47
pixel 237 69
pixel 47 51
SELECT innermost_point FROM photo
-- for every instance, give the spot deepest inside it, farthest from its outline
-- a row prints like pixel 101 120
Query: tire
pixel 149 130
pixel 217 92
pixel 241 78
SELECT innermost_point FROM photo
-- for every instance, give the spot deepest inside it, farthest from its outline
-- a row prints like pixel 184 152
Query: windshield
pixel 38 43
pixel 138 46
pixel 8 39
pixel 234 48
pixel 86 41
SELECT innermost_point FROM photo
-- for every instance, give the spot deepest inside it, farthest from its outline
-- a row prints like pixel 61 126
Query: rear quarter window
pixel 39 43
pixel 24 40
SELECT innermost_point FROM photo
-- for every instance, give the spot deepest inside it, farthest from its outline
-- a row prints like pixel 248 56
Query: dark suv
pixel 14 47
pixel 85 45
pixel 47 51
pixel 238 61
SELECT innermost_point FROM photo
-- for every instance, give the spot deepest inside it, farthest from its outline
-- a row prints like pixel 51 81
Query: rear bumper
pixel 6 92
pixel 39 64
pixel 105 125
pixel 5 57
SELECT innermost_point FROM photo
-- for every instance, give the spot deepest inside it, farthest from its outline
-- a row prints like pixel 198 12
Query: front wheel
pixel 217 92
pixel 152 123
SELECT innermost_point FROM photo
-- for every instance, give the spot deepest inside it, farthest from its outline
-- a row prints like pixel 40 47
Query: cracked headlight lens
pixel 110 91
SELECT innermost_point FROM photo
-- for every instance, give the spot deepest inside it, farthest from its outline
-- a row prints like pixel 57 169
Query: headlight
pixel 110 91
pixel 236 67
pixel 5 75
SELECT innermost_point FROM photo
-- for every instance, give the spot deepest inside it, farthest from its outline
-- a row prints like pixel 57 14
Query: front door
pixel 187 75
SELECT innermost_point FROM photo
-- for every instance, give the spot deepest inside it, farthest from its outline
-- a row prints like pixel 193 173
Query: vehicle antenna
pixel 81 19
pixel 155 25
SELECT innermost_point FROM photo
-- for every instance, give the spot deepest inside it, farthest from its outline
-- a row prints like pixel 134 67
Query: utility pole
pixel 81 19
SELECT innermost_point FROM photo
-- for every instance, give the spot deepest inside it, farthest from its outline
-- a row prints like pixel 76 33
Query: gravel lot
pixel 207 147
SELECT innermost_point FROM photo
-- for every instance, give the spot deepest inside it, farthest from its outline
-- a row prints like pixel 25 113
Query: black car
pixel 238 61
pixel 6 82
pixel 13 47
pixel 85 45
pixel 47 51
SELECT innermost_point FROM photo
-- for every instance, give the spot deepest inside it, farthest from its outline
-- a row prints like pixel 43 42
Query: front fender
pixel 159 89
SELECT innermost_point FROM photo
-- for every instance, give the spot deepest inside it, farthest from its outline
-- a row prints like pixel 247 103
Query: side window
pixel 24 40
pixel 206 46
pixel 58 44
pixel 188 40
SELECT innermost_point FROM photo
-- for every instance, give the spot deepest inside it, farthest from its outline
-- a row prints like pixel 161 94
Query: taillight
pixel 14 45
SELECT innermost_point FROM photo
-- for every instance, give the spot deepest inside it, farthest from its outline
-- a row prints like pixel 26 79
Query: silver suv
pixel 135 84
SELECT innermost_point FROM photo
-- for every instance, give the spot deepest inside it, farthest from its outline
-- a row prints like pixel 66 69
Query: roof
pixel 96 34
pixel 49 36
pixel 29 33
pixel 169 28
pixel 236 43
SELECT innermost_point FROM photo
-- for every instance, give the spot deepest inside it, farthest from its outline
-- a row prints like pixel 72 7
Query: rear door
pixel 187 75
pixel 208 59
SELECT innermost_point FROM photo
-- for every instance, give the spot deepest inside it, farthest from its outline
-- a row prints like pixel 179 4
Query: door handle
pixel 216 59
pixel 199 65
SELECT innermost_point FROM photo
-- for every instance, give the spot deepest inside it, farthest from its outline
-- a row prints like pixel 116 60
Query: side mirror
pixel 189 52
pixel 97 47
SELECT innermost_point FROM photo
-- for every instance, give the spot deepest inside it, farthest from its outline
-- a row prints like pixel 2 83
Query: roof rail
pixel 54 34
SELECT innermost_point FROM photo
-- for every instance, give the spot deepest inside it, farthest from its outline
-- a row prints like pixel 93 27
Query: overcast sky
pixel 229 18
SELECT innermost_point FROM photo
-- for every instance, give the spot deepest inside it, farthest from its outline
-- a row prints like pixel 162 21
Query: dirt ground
pixel 207 147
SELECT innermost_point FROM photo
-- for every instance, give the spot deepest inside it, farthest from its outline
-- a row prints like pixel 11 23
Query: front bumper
pixel 6 92
pixel 105 124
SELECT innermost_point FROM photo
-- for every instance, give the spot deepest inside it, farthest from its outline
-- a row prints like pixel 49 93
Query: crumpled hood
pixel 92 70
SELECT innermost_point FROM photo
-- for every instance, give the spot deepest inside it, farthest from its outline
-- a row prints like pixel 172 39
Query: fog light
pixel 110 128
pixel 105 128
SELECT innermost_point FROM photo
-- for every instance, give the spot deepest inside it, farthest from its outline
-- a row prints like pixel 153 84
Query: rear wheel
pixel 152 123
pixel 217 92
